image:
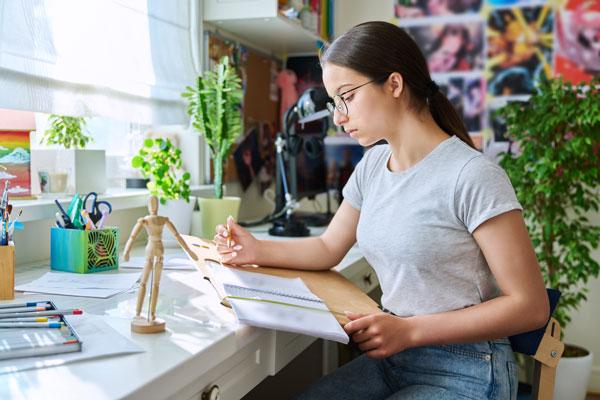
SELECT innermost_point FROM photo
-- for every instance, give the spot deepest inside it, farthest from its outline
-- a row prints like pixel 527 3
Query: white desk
pixel 203 345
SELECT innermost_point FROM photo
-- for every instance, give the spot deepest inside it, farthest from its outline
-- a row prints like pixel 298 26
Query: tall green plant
pixel 214 107
pixel 67 132
pixel 161 161
pixel 556 177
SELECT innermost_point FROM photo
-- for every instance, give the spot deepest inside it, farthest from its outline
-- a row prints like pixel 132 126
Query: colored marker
pixel 42 313
pixel 29 319
pixel 30 304
pixel 31 324
pixel 23 309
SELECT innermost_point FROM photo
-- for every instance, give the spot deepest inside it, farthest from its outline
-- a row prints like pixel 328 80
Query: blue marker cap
pixel 54 324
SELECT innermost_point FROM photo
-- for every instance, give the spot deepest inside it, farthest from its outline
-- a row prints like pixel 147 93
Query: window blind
pixel 125 59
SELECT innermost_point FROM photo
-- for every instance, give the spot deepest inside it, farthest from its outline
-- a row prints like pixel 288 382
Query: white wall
pixel 584 329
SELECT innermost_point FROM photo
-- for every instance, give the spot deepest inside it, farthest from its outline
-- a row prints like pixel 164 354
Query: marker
pixel 41 313
pixel 89 224
pixel 29 319
pixel 31 324
pixel 23 309
pixel 30 304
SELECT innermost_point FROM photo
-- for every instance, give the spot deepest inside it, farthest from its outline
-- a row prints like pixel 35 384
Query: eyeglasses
pixel 339 103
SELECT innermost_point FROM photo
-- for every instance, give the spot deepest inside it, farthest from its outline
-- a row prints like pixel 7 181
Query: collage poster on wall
pixel 484 54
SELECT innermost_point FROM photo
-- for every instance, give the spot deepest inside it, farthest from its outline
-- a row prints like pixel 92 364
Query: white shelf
pixel 120 199
pixel 277 35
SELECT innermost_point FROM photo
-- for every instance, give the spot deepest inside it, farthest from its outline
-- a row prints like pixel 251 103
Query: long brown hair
pixel 377 49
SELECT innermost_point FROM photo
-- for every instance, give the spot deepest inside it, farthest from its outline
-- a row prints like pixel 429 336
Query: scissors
pixel 98 207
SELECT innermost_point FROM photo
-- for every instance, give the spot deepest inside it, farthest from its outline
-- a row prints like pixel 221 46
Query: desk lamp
pixel 311 106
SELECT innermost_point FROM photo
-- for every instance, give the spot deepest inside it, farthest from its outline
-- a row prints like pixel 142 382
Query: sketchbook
pixel 333 290
pixel 273 302
pixel 27 342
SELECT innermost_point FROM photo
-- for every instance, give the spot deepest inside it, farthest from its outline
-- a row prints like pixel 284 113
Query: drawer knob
pixel 212 393
pixel 367 278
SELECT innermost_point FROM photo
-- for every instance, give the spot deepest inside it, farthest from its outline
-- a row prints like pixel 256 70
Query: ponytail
pixel 447 118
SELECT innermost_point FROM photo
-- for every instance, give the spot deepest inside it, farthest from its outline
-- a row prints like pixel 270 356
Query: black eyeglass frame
pixel 331 105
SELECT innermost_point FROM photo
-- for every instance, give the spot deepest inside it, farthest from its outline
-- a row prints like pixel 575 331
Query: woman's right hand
pixel 240 248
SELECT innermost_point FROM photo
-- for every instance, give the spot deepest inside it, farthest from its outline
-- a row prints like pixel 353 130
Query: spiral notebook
pixel 274 302
pixel 333 290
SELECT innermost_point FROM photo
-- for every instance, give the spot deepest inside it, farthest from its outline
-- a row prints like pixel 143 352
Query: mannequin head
pixel 153 205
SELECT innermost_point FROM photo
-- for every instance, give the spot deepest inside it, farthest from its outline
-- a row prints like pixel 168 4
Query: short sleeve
pixel 483 191
pixel 353 189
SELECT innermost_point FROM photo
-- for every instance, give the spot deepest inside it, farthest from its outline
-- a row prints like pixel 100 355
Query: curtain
pixel 124 59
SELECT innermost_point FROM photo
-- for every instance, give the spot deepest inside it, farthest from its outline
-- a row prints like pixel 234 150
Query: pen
pixel 65 217
pixel 21 309
pixel 41 313
pixel 228 234
pixel 89 224
pixel 31 324
pixel 29 304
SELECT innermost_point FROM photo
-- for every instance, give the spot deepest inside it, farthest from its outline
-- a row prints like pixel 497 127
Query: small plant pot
pixel 216 211
pixel 179 213
pixel 573 374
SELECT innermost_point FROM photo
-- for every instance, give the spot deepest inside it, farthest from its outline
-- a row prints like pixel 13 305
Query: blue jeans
pixel 484 370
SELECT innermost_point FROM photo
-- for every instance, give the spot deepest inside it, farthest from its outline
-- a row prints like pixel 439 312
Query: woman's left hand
pixel 379 335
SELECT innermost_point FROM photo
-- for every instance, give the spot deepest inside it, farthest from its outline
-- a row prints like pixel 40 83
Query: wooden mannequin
pixel 154 262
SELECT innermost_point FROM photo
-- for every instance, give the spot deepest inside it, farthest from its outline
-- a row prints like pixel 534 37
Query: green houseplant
pixel 67 132
pixel 160 161
pixel 556 176
pixel 86 167
pixel 214 107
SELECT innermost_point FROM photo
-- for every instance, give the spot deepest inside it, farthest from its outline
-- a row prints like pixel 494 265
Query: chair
pixel 545 347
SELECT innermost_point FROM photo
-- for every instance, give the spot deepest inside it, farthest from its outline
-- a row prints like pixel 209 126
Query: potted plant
pixel 214 109
pixel 87 168
pixel 160 161
pixel 556 175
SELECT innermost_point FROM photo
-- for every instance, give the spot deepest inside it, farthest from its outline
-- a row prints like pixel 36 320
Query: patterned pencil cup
pixel 74 250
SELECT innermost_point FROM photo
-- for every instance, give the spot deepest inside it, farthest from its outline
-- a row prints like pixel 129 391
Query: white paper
pixel 181 263
pixel 240 283
pixel 98 340
pixel 81 285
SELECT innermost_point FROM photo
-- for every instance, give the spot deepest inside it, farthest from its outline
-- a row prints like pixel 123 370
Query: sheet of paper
pixel 82 285
pixel 310 317
pixel 98 338
pixel 181 263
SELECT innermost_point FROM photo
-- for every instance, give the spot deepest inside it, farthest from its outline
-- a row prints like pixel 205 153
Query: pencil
pixel 24 309
pixel 31 324
pixel 30 304
pixel 41 313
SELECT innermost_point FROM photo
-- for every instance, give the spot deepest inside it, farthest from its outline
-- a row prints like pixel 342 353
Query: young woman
pixel 439 223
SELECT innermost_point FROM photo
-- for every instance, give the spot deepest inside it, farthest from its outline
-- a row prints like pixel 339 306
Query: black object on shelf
pixel 136 183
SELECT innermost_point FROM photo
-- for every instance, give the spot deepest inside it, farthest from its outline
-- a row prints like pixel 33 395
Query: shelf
pixel 277 35
pixel 120 199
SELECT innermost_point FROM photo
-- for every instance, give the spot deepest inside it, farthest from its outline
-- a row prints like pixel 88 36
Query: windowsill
pixel 120 199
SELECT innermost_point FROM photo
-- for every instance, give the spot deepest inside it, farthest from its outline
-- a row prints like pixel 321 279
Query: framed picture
pixel 15 159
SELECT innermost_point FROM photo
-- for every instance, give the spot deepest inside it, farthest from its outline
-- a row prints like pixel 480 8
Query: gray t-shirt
pixel 415 226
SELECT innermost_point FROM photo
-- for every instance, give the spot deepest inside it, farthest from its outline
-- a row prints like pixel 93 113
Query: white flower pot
pixel 180 214
pixel 572 377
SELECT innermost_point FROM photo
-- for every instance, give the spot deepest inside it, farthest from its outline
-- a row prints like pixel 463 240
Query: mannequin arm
pixel 134 232
pixel 183 244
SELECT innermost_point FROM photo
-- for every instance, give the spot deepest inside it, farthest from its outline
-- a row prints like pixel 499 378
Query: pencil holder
pixel 80 251
pixel 7 272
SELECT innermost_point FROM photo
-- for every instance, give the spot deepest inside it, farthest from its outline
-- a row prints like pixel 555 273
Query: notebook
pixel 337 292
pixel 27 342
pixel 274 302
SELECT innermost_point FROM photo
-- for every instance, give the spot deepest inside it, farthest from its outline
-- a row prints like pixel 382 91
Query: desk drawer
pixel 237 375
pixel 365 278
